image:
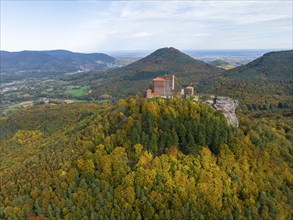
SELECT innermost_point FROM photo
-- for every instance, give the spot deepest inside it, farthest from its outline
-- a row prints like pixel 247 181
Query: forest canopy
pixel 145 159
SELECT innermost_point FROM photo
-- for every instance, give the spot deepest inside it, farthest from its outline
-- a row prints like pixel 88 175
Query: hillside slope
pixel 265 81
pixel 273 67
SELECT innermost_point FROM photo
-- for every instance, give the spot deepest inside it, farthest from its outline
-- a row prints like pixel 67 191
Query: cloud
pixel 142 34
pixel 112 32
pixel 114 25
pixel 200 21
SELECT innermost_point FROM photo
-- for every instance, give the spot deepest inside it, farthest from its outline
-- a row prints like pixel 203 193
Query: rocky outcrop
pixel 228 107
pixel 221 103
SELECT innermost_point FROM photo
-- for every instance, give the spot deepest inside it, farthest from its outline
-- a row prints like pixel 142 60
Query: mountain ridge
pixel 80 56
pixel 36 64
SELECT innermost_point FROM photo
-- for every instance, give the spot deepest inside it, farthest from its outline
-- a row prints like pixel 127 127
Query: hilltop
pixel 168 60
pixel 165 60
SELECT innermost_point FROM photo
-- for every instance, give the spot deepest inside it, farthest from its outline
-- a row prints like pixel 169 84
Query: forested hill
pixel 137 77
pixel 81 57
pixel 165 60
pixel 144 159
pixel 35 64
pixel 273 66
pixel 266 82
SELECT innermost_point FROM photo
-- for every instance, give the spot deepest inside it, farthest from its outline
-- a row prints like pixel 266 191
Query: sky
pixel 100 26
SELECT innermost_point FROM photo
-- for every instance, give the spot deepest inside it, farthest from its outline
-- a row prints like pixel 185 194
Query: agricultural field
pixel 76 91
pixel 25 93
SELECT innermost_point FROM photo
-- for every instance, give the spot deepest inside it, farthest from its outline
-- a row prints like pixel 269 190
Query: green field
pixel 76 91
pixel 51 89
pixel 228 66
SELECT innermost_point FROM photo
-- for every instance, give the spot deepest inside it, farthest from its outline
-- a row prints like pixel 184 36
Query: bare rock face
pixel 221 103
pixel 228 107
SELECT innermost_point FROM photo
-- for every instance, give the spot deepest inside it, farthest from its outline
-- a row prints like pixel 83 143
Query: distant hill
pixel 81 57
pixel 33 64
pixel 25 60
pixel 137 76
pixel 165 60
pixel 273 66
pixel 268 79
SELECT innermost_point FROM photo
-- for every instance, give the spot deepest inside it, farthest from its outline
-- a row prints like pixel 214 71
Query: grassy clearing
pixel 228 66
pixel 76 91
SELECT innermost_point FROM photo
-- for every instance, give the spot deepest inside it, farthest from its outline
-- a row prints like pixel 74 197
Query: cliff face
pixel 228 107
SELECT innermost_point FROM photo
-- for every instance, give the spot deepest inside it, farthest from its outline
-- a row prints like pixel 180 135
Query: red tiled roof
pixel 158 79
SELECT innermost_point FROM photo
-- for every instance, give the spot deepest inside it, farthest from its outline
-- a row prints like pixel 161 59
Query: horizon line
pixel 147 50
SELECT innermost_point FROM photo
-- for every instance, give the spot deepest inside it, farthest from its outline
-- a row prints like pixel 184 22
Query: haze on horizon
pixel 96 26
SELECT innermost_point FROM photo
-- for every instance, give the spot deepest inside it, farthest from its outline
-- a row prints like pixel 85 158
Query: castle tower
pixel 164 86
pixel 159 86
pixel 189 90
pixel 169 84
pixel 148 94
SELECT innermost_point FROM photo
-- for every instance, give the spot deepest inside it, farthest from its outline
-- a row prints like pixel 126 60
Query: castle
pixel 163 87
